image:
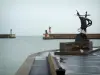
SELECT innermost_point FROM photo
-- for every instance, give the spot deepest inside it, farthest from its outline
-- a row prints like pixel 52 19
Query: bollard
pixel 60 71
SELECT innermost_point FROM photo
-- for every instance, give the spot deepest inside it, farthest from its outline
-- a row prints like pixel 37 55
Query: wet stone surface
pixel 82 65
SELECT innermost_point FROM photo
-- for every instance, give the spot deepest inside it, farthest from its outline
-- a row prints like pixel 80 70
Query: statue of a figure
pixel 85 22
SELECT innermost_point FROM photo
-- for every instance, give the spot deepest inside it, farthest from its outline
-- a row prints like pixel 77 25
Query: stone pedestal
pixel 75 46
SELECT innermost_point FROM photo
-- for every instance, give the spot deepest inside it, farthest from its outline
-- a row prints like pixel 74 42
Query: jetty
pixel 7 36
pixel 10 35
pixel 70 36
pixel 50 64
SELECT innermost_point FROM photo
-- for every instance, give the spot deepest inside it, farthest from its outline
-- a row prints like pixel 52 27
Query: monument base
pixel 76 47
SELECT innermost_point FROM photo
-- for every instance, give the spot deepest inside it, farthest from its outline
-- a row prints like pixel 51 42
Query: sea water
pixel 13 52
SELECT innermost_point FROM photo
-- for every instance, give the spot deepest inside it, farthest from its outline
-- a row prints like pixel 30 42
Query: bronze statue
pixel 85 22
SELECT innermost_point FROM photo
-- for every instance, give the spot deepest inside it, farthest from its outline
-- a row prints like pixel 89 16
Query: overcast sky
pixel 32 17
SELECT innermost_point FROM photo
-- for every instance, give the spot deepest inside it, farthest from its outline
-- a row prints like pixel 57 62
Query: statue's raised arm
pixel 78 13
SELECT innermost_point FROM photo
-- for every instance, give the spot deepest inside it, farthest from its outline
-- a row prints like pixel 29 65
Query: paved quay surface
pixel 74 65
pixel 82 65
pixel 40 67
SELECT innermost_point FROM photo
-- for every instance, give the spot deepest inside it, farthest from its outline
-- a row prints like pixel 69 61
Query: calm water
pixel 13 52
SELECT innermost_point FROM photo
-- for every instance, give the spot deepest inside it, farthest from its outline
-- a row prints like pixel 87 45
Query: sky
pixel 33 17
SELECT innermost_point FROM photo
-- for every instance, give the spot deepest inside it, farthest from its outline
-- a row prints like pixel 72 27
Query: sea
pixel 14 51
